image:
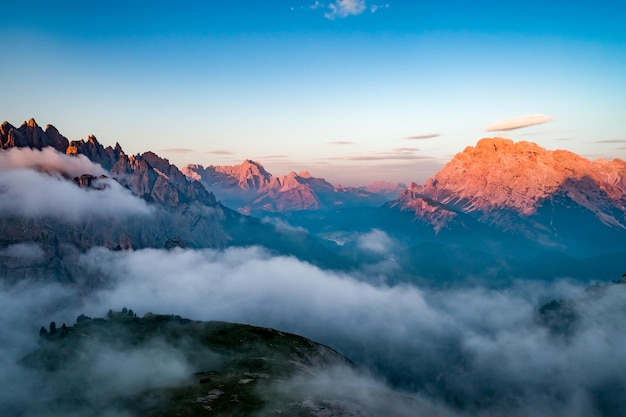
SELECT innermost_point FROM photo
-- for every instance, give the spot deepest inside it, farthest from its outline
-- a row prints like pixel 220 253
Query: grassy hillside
pixel 162 365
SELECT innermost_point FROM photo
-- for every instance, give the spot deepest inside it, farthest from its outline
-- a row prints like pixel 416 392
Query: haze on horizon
pixel 350 90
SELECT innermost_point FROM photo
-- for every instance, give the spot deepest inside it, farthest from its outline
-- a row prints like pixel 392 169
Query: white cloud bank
pixel 34 183
pixel 32 194
pixel 49 160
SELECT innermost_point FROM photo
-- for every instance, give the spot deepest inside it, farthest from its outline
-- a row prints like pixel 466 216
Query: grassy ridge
pixel 230 369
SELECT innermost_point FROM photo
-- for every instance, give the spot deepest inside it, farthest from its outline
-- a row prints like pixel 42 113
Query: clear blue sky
pixel 334 87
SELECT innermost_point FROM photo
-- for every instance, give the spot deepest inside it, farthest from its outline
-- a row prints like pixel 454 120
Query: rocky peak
pixel 31 123
pixel 500 175
pixel 155 179
pixel 29 134
pixel 249 175
pixel 92 149
pixel 5 128
pixel 89 181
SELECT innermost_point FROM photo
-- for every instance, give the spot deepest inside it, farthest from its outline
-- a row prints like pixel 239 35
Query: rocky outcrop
pixel 155 179
pixel 92 149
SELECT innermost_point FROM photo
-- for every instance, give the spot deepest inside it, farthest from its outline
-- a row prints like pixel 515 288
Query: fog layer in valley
pixel 479 351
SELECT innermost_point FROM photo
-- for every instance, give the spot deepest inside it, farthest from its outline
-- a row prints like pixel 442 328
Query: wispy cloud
pixel 340 142
pixel 49 160
pixel 611 141
pixel 405 149
pixel 271 157
pixel 425 136
pixel 344 8
pixel 176 150
pixel 382 156
pixel 220 152
pixel 519 122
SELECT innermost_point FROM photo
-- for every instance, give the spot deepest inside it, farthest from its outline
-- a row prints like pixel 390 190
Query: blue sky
pixel 350 90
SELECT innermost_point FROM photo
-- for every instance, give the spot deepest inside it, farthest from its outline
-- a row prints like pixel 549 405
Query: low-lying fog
pixel 465 350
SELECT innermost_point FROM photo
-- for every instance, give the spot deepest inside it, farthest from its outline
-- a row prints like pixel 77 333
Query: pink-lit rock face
pixel 252 190
pixel 501 175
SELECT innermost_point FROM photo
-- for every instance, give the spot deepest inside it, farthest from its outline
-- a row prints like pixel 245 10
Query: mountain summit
pixel 523 188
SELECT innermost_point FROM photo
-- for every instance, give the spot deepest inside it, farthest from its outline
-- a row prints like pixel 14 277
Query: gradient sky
pixel 351 90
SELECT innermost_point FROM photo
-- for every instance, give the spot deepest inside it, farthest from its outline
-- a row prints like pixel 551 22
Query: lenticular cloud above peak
pixel 518 122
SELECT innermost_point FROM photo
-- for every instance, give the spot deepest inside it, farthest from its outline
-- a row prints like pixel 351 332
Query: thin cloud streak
pixel 381 157
pixel 425 136
pixel 220 152
pixel 270 157
pixel 340 142
pixel 176 150
pixel 611 141
pixel 518 122
pixel 410 149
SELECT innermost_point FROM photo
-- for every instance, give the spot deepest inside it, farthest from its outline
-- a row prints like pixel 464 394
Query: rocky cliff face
pixel 523 188
pixel 91 148
pixel 252 190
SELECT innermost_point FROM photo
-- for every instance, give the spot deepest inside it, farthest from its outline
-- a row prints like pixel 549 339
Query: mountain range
pixel 181 212
pixel 493 204
pixel 249 188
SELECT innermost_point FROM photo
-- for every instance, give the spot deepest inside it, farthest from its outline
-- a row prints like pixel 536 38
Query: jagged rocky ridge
pixel 252 190
pixel 184 212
